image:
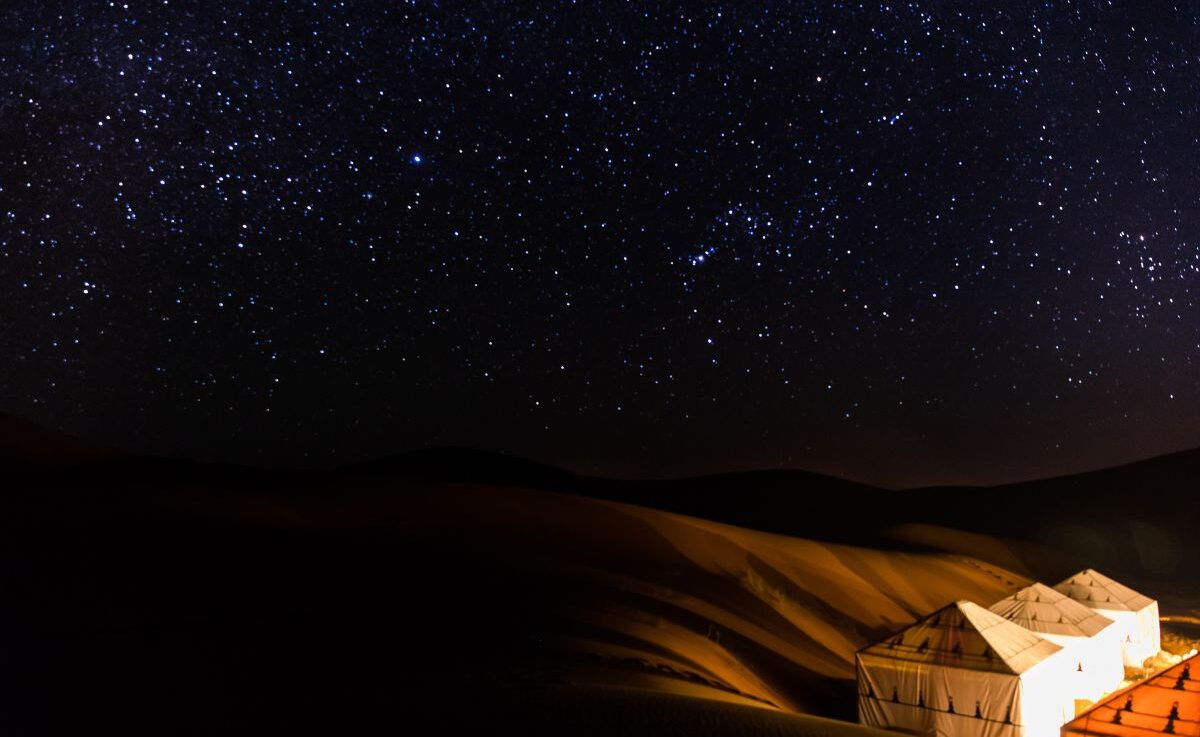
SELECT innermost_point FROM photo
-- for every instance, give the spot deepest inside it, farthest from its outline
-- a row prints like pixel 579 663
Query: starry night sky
pixel 901 242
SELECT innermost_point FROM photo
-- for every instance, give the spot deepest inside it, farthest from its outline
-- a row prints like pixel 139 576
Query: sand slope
pixel 771 619
pixel 617 710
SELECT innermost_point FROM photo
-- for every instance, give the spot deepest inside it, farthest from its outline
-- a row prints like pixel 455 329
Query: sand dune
pixel 772 619
pixel 259 600
pixel 646 710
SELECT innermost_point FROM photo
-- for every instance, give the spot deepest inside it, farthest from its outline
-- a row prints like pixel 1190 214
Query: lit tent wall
pixel 1136 615
pixel 1092 640
pixel 1164 704
pixel 965 672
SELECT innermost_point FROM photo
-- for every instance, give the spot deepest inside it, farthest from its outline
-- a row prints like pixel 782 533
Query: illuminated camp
pixel 1092 640
pixel 1166 703
pixel 963 671
pixel 1136 615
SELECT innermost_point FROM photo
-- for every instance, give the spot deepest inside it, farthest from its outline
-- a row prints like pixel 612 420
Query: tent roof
pixel 1101 592
pixel 965 635
pixel 1042 609
pixel 1150 709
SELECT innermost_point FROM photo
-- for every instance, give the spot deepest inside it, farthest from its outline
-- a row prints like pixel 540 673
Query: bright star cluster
pixel 903 242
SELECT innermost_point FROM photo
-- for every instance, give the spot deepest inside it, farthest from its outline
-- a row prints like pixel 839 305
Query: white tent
pixel 1092 640
pixel 1136 615
pixel 965 672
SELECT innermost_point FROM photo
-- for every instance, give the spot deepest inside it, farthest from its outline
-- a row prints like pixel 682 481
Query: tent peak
pixel 963 634
pixel 1046 611
pixel 1101 592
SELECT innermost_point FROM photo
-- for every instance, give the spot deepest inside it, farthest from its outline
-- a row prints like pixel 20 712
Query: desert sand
pixel 707 608
pixel 163 596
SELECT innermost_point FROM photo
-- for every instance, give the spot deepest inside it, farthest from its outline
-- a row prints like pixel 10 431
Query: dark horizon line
pixel 102 453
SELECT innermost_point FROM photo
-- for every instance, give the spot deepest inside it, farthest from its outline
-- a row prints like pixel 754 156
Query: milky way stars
pixel 901 242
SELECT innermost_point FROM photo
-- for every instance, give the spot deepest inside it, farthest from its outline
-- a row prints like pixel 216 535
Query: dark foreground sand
pixel 215 611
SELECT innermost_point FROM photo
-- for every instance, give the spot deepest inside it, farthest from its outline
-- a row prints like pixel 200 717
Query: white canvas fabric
pixel 964 671
pixel 1136 615
pixel 1092 640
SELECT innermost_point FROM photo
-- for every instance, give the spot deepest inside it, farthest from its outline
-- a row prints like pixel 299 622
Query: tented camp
pixel 1136 615
pixel 965 672
pixel 1092 640
pixel 1166 703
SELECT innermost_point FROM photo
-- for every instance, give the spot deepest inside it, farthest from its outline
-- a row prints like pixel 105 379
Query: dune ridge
pixel 771 618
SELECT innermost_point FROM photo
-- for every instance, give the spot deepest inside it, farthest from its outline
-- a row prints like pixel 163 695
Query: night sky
pixel 900 242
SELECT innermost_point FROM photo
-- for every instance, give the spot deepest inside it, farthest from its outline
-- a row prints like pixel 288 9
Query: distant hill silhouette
pixel 1175 473
pixel 25 441
pixel 773 500
pixel 1138 519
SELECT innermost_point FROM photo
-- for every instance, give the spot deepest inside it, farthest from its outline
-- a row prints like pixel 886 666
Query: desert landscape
pixel 598 368
pixel 413 592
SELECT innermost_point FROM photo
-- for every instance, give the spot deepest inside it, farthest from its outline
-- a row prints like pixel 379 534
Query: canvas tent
pixel 965 672
pixel 1136 615
pixel 1092 640
pixel 1164 704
